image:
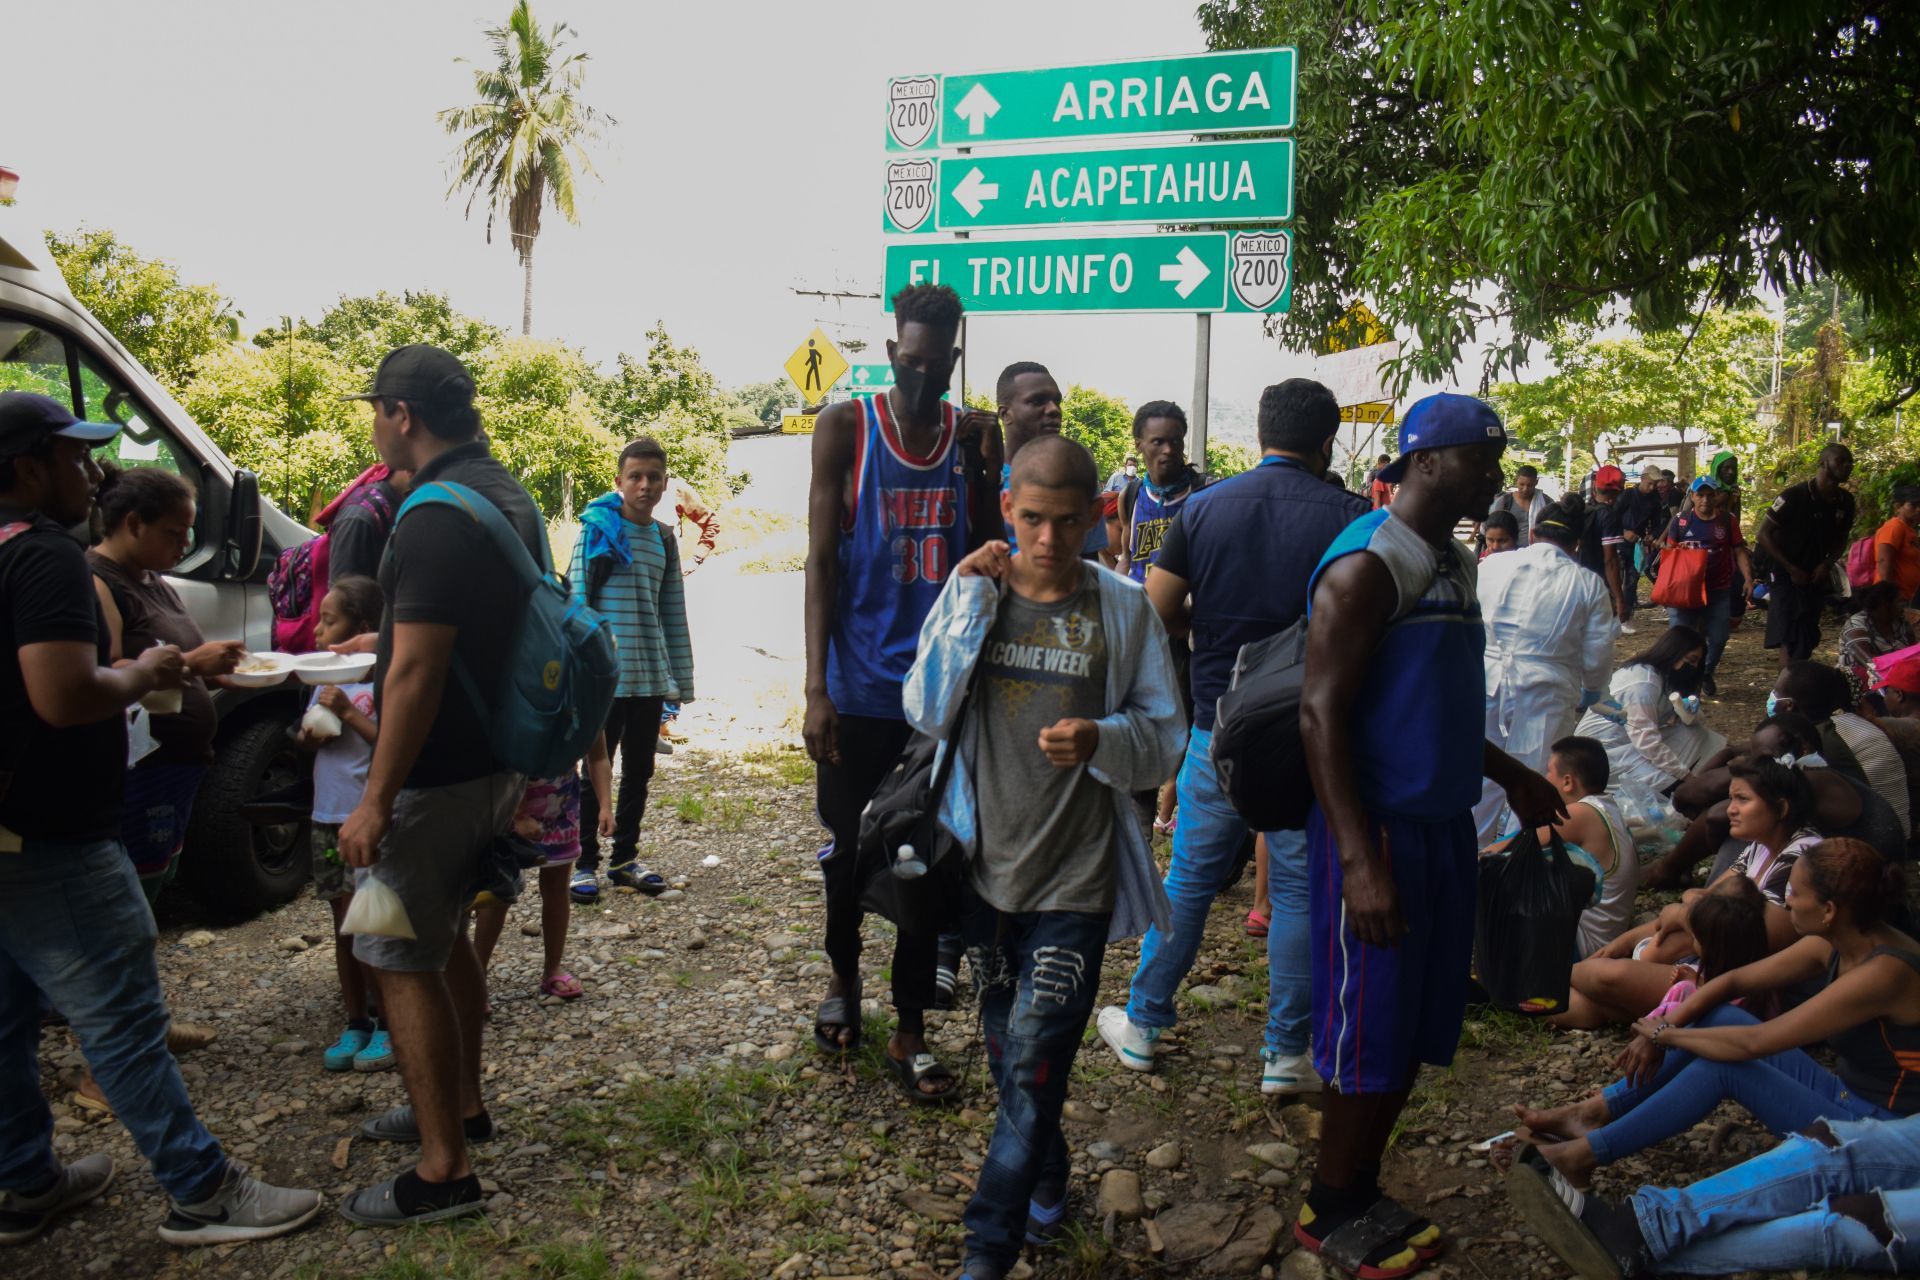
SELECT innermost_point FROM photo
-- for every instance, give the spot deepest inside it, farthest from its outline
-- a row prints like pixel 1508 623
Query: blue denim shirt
pixel 1142 736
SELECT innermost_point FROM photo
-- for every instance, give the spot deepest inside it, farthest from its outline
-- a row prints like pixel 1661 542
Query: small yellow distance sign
pixel 795 423
pixel 1373 411
pixel 815 366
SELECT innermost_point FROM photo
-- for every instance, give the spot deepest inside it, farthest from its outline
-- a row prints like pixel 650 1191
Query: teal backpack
pixel 561 667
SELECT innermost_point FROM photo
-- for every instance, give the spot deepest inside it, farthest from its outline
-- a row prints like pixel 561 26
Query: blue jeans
pixel 1772 1213
pixel 1204 845
pixel 1712 622
pixel 1786 1092
pixel 1039 974
pixel 74 927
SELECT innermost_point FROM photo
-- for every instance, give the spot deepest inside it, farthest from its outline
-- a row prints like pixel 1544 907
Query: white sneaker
pixel 1132 1045
pixel 244 1208
pixel 1627 629
pixel 24 1217
pixel 1288 1073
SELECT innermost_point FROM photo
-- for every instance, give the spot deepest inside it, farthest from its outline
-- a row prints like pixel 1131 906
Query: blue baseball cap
pixel 28 421
pixel 1703 482
pixel 1443 421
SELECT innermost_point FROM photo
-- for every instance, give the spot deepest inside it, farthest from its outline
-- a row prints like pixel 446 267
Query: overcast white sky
pixel 289 153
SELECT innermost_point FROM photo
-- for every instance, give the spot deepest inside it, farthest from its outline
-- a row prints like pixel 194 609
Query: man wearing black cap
pixel 1391 717
pixel 73 923
pixel 436 795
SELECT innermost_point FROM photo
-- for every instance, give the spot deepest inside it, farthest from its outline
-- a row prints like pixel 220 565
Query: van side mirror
pixel 243 526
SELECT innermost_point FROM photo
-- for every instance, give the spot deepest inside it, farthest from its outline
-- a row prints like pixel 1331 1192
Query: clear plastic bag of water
pixel 377 910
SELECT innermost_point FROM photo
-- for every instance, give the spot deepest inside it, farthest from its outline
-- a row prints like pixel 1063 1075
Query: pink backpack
pixel 1862 568
pixel 298 581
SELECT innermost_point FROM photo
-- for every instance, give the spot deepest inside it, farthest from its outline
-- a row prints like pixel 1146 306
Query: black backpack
pixel 1257 752
pixel 905 809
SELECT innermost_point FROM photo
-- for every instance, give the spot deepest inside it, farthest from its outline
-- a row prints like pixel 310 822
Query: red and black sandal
pixel 1384 1243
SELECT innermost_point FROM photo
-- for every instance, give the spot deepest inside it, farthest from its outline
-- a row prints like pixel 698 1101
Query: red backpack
pixel 297 583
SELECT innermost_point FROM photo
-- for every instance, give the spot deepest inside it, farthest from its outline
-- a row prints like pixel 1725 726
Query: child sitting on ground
pixel 549 818
pixel 351 607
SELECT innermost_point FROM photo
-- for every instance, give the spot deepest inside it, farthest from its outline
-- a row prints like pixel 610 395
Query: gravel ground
pixel 677 1122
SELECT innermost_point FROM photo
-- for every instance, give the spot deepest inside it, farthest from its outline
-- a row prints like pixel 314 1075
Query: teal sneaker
pixel 377 1055
pixel 341 1053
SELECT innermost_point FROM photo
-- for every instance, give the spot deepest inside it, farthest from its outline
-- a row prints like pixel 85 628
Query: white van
pixel 50 344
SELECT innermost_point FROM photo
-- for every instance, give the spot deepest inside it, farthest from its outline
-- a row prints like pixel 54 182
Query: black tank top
pixel 1875 1058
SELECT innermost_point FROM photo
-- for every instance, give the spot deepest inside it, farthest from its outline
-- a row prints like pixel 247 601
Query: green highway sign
pixel 1191 182
pixel 1182 272
pixel 864 378
pixel 1238 91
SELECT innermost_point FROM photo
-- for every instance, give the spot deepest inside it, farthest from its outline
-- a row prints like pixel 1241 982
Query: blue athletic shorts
pixel 1379 1012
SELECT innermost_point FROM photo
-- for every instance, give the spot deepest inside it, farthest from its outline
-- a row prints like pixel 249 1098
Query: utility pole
pixel 1197 415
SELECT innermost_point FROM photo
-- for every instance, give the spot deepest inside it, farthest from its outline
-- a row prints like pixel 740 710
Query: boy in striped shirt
pixel 626 565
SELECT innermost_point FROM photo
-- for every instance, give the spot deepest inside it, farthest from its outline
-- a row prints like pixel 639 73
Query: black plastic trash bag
pixel 1524 935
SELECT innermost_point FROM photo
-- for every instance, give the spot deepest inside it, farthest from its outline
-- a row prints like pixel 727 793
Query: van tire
pixel 235 869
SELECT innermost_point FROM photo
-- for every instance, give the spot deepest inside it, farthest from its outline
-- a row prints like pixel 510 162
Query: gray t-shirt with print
pixel 1046 833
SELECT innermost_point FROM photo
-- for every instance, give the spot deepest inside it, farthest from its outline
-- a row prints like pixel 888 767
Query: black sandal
pixel 842 1013
pixel 909 1072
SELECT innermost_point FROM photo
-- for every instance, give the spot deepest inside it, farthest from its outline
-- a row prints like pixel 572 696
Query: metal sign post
pixel 1202 366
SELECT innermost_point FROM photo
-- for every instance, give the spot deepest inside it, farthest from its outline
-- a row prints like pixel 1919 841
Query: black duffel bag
pixel 905 810
pixel 1257 753
pixel 1527 922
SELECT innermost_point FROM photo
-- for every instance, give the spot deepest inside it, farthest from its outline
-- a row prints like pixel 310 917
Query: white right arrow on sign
pixel 1187 271
pixel 977 108
pixel 974 191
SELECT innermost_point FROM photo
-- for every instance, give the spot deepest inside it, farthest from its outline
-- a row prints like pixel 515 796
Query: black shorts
pixel 1793 618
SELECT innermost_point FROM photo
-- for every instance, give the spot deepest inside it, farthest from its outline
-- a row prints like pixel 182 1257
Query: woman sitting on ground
pixel 1768 808
pixel 1708 1050
pixel 1648 744
pixel 1879 626
pixel 1843 805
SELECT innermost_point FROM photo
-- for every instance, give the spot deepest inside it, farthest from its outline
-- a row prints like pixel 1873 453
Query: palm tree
pixel 520 144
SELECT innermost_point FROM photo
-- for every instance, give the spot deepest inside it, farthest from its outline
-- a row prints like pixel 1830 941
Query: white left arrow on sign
pixel 1187 272
pixel 977 108
pixel 974 191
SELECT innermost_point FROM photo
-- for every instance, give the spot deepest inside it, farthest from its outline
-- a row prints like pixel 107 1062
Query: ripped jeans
pixel 1038 974
pixel 1788 1208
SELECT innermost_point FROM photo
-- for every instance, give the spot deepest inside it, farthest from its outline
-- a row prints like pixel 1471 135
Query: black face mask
pixel 1684 680
pixel 920 391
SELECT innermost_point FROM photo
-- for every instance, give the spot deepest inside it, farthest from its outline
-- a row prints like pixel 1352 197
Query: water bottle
pixel 908 864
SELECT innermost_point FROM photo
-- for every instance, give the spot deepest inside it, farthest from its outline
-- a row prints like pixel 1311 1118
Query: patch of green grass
pixel 1084 1254
pixel 747 900
pixel 783 761
pixel 732 813
pixel 683 978
pixel 1505 1035
pixel 555 1261
pixel 690 808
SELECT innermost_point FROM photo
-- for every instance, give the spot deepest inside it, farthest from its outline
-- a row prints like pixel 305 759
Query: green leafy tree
pixel 670 395
pixel 1607 389
pixel 1100 422
pixel 1224 458
pixel 165 324
pixel 521 143
pixel 280 414
pixel 1530 164
pixel 361 330
pixel 544 425
pixel 765 400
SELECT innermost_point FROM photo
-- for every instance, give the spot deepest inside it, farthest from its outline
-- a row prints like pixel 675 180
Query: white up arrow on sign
pixel 974 191
pixel 1187 272
pixel 860 376
pixel 977 108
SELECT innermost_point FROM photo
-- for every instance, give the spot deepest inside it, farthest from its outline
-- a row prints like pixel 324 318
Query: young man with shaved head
pixel 1072 707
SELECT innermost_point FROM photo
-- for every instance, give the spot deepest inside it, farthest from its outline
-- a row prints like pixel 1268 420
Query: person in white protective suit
pixel 1550 632
pixel 1652 744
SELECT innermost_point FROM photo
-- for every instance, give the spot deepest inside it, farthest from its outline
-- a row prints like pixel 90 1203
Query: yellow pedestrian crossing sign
pixel 815 366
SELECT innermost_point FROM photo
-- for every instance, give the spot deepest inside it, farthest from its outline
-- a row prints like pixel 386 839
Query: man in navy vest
pixel 1234 568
